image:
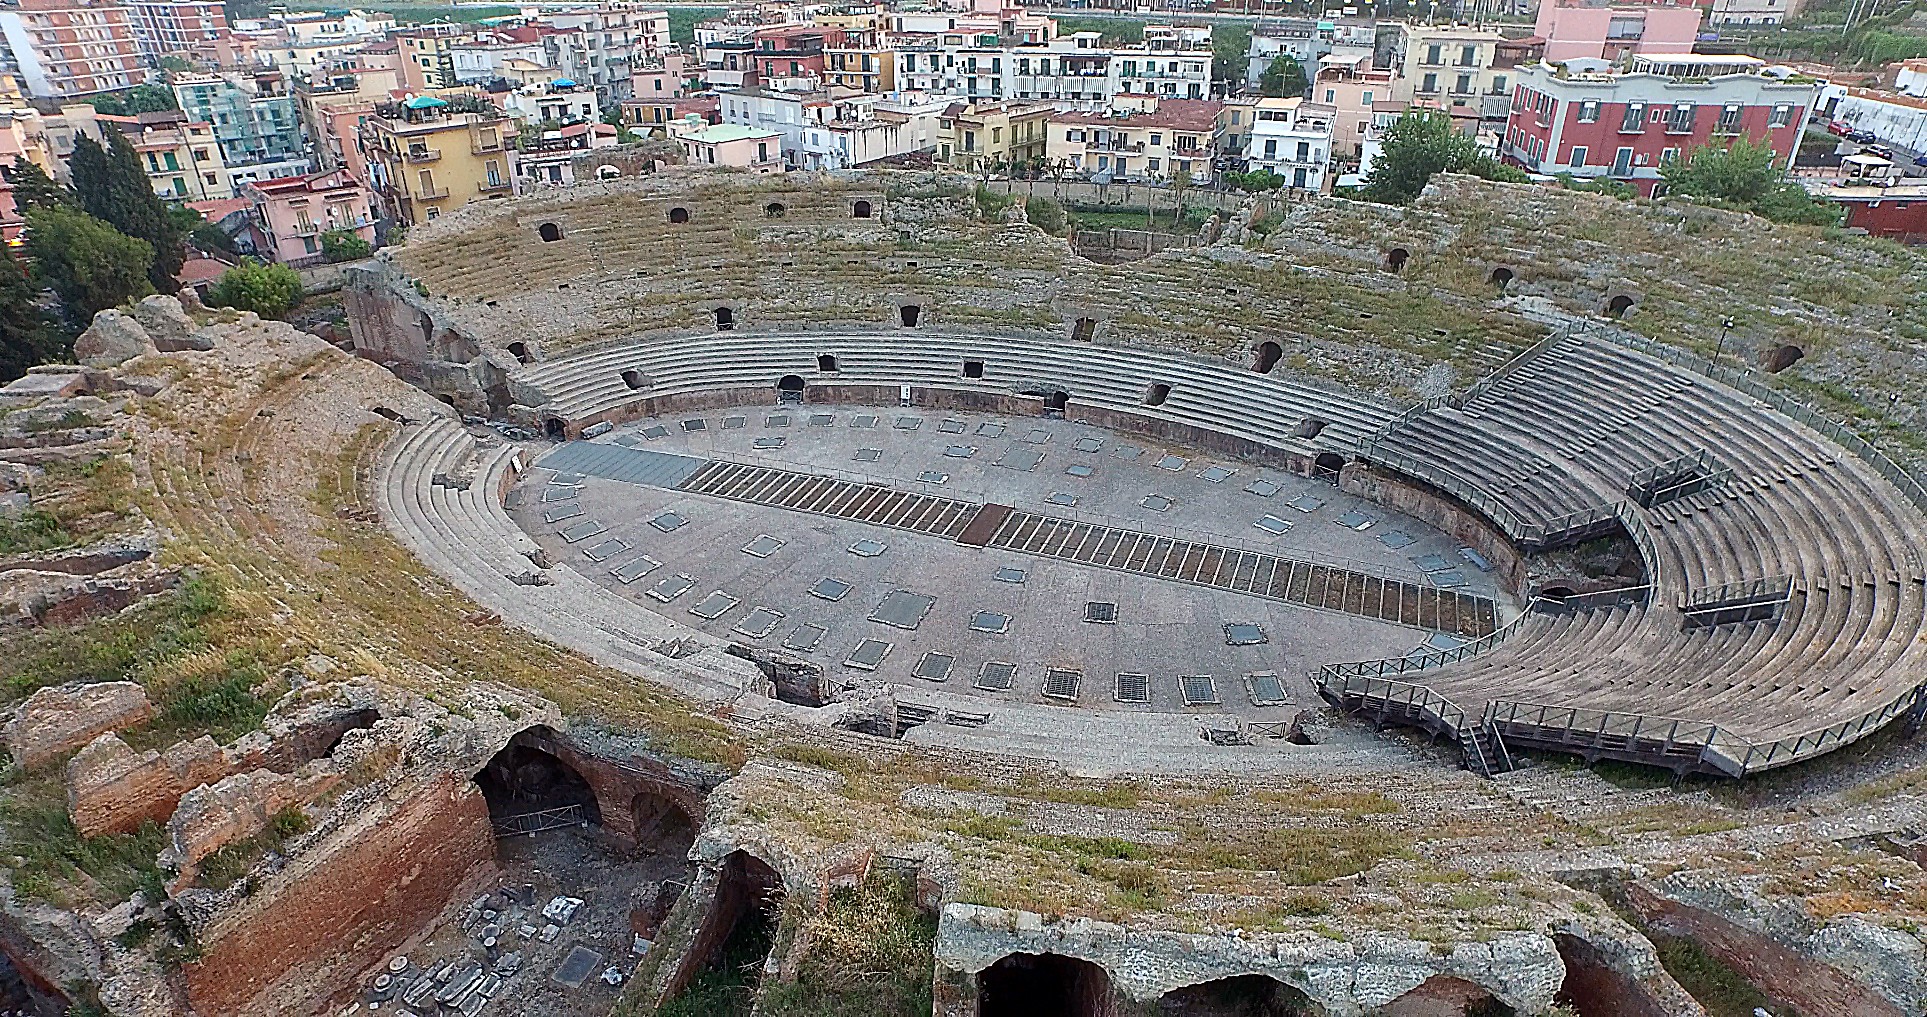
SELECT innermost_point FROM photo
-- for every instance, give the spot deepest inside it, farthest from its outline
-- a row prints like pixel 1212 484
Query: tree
pixel 91 265
pixel 139 99
pixel 202 235
pixel 1285 77
pixel 113 189
pixel 33 188
pixel 27 337
pixel 267 290
pixel 613 117
pixel 341 245
pixel 1419 144
pixel 1045 214
pixel 1742 175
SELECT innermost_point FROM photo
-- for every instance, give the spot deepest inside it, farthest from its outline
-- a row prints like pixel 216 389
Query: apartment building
pixel 749 148
pixel 181 157
pixel 1354 89
pixel 426 54
pixel 256 119
pixel 1306 40
pixel 549 158
pixel 293 212
pixel 993 135
pixel 1591 119
pixel 1169 140
pixel 334 105
pixel 1073 72
pixel 617 37
pixel 427 156
pixel 1448 67
pixel 1752 12
pixel 1605 30
pixel 560 102
pixel 69 49
pixel 1292 137
pixel 183 28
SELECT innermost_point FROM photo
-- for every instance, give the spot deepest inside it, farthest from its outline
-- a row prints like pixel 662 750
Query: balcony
pixel 495 186
pixel 431 194
pixel 422 154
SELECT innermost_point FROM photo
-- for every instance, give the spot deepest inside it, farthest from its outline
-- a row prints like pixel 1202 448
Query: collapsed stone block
pixel 113 789
pixel 111 339
pixel 213 816
pixel 168 325
pixel 58 719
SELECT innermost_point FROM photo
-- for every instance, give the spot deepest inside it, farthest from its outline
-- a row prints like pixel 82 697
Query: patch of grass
pixel 228 864
pixel 51 861
pixel 221 704
pixel 870 952
pixel 1723 991
pixel 30 531
pixel 1304 856
pixel 991 204
pixel 119 648
pixel 820 756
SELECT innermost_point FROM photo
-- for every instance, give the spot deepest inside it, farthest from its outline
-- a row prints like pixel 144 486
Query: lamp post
pixel 1726 325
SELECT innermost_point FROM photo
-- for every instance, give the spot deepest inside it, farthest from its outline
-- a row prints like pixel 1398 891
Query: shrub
pixel 1046 215
pixel 267 290
pixel 341 245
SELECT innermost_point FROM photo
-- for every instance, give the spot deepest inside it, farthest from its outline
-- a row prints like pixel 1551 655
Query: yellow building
pixel 182 161
pixel 431 158
pixel 993 135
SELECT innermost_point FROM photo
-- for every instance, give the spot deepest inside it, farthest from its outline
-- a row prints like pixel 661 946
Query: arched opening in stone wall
pixel 1083 329
pixel 555 428
pixel 549 232
pixel 1446 996
pixel 860 210
pixel 1043 985
pixel 662 827
pixel 1556 591
pixel 826 363
pixel 520 351
pixel 607 172
pixel 633 378
pixel 1501 277
pixel 1395 259
pixel 1619 306
pixel 973 369
pixel 1309 427
pixel 1240 996
pixel 725 958
pixel 530 789
pixel 909 314
pixel 774 210
pixel 1157 394
pixel 1269 353
pixel 679 215
pixel 1327 465
pixel 1055 402
pixel 1779 358
pixel 725 319
pixel 789 388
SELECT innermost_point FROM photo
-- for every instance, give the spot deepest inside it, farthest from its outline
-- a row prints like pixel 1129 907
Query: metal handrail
pixel 1738 591
pixel 1431 658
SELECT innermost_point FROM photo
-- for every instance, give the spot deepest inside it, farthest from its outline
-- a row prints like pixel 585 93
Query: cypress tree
pixel 27 337
pixel 33 188
pixel 113 189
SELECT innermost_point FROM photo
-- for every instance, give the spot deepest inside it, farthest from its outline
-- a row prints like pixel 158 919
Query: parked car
pixel 1839 128
pixel 1880 150
pixel 1862 137
pixel 1920 160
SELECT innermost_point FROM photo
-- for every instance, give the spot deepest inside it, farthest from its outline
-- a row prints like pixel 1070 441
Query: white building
pixel 1897 119
pixel 1292 138
pixel 1074 72
pixel 562 101
pixel 619 36
pixel 1304 40
pixel 816 131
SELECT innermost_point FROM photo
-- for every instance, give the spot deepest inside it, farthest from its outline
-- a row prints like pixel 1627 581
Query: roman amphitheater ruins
pixel 834 594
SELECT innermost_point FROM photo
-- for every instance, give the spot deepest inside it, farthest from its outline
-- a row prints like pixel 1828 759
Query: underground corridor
pixel 1044 985
pixel 1238 996
pixel 720 972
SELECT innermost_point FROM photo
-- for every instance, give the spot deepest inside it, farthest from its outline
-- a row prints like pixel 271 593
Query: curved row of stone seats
pixel 468 538
pixel 1268 409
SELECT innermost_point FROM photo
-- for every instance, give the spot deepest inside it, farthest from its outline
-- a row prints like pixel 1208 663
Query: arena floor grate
pixel 578 532
pixel 933 666
pixel 996 676
pixel 1216 474
pixel 1262 488
pixel 1100 612
pixel 606 549
pixel 991 622
pixel 629 572
pixel 869 503
pixel 763 546
pixel 991 429
pixel 950 427
pixel 671 587
pixel 556 515
pixel 560 492
pixel 1132 687
pixel 867 655
pixel 903 609
pixel 714 606
pixel 804 638
pixel 832 589
pixel 1244 634
pixel 1062 683
pixel 1079 470
pixel 760 622
pixel 1266 688
pixel 1198 689
pixel 1088 444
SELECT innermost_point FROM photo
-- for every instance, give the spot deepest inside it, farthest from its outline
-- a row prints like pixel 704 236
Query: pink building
pixel 1606 29
pixel 1350 85
pixel 295 211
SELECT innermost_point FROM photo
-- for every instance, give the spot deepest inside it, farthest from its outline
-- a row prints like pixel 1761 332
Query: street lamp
pixel 1726 325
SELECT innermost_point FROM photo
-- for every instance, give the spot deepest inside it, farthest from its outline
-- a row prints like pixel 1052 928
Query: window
pixel 1468 56
pixel 1622 162
pixel 1331 95
pixel 1153 167
pixel 1365 99
pixel 1729 121
pixel 1465 85
pixel 1578 157
pixel 1430 84
pixel 1271 148
pixel 1304 151
pixel 1498 84
pixel 1781 116
pixel 1589 111
pixel 1667 155
pixel 1433 54
pixel 1679 118
pixel 1635 119
pixel 1156 139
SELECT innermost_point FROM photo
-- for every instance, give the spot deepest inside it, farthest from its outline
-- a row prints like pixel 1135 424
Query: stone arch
pixel 555 428
pixel 1595 986
pixel 1309 427
pixel 1328 464
pixel 1447 996
pixel 679 215
pixel 774 210
pixel 1237 996
pixel 826 363
pixel 1043 985
pixel 1779 358
pixel 725 318
pixel 791 387
pixel 549 232
pixel 1395 260
pixel 1556 591
pixel 1267 357
pixel 861 209
pixel 1620 305
pixel 1056 401
pixel 634 380
pixel 520 351
pixel 455 348
pixel 607 172
pixel 1501 276
pixel 528 785
pixel 662 825
pixel 909 314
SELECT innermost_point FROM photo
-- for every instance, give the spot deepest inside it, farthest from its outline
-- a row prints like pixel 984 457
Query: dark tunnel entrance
pixel 1240 996
pixel 725 962
pixel 1043 985
pixel 529 789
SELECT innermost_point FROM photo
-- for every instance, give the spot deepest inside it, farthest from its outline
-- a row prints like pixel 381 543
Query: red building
pixel 793 51
pixel 1896 210
pixel 66 49
pixel 1585 118
pixel 183 28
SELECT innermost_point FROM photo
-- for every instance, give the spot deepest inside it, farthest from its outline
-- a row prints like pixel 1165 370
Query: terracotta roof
pixel 218 209
pixel 198 270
